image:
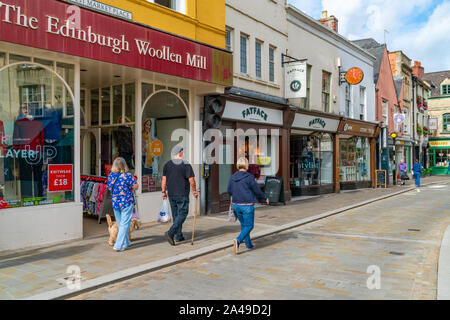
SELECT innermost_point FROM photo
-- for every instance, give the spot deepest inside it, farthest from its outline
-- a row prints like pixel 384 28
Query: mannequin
pixel 28 133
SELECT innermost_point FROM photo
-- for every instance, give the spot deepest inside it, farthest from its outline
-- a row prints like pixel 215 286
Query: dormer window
pixel 445 89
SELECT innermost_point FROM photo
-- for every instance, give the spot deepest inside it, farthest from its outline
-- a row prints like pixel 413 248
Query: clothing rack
pixel 94 178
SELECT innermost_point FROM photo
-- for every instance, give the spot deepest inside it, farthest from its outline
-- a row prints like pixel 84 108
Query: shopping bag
pixel 231 215
pixel 164 214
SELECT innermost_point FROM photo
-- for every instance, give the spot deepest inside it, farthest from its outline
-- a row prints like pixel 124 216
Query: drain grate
pixel 397 253
pixel 413 229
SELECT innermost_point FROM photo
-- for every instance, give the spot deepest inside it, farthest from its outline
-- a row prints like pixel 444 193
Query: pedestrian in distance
pixel 417 171
pixel 122 186
pixel 244 192
pixel 177 181
pixel 403 168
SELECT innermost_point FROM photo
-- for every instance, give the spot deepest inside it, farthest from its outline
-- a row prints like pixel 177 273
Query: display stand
pixel 106 206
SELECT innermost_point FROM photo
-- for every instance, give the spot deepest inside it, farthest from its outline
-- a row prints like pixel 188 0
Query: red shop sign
pixel 60 177
pixel 59 27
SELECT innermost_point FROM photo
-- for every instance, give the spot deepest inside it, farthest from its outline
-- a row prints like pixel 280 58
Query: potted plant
pixel 419 129
pixel 425 131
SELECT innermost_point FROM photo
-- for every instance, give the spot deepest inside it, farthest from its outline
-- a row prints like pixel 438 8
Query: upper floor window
pixel 445 89
pixel 306 101
pixel 177 5
pixel 326 79
pixel 446 122
pixel 362 103
pixel 244 40
pixel 348 100
pixel 271 64
pixel 407 121
pixel 228 39
pixel 385 108
pixel 258 47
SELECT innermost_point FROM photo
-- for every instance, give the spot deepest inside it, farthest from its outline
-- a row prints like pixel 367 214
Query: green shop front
pixel 439 155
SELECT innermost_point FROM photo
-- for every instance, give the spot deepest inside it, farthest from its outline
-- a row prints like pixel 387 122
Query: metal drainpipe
pixel 414 79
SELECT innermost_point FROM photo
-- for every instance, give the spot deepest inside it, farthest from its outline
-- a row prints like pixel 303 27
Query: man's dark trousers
pixel 180 210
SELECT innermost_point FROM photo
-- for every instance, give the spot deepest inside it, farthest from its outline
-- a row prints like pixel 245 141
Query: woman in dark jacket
pixel 244 192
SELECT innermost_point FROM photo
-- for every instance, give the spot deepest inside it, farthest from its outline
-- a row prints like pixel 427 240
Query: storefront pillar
pixel 337 184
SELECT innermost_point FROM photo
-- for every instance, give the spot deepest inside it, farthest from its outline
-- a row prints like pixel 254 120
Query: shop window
pixel 2 59
pixel 442 157
pixel 17 58
pixel 106 105
pixel 326 79
pixel 147 91
pixel 446 122
pixel 34 135
pixel 311 160
pixel 129 102
pixel 46 63
pixel 354 159
pixel 163 113
pixel 117 104
pixel 82 108
pixel 95 104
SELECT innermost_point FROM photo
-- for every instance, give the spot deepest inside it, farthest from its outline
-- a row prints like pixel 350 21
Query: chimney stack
pixel 417 69
pixel 331 21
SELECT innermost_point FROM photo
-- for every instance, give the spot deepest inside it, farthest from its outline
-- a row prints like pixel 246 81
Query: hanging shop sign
pixel 439 143
pixel 354 76
pixel 98 6
pixel 358 128
pixel 433 123
pixel 60 177
pixel 316 123
pixel 295 75
pixel 245 112
pixel 51 25
pixel 399 118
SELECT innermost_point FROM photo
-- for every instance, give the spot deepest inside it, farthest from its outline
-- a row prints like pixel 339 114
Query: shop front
pixel 312 153
pixel 257 130
pixel 357 154
pixel 439 155
pixel 73 98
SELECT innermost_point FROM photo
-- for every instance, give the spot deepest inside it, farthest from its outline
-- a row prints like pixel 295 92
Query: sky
pixel 420 28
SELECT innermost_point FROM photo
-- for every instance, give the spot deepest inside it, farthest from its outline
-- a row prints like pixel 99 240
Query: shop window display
pixel 354 159
pixel 35 134
pixel 311 160
pixel 164 112
pixel 442 157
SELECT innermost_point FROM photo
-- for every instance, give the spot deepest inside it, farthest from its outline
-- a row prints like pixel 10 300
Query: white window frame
pixel 385 111
pixel 229 36
pixel 179 5
pixel 246 37
pixel 362 102
pixel 261 44
pixel 272 64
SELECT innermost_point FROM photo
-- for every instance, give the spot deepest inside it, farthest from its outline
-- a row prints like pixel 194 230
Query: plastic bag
pixel 231 215
pixel 164 214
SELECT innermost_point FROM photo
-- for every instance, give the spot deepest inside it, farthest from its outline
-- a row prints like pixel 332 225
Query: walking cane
pixel 195 216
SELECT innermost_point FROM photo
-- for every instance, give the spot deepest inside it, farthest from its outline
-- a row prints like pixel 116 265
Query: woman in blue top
pixel 243 189
pixel 122 184
pixel 417 170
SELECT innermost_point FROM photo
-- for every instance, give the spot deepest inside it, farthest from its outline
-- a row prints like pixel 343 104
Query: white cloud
pixel 421 38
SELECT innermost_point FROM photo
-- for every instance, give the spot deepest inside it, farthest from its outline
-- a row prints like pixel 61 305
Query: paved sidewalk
pixel 42 272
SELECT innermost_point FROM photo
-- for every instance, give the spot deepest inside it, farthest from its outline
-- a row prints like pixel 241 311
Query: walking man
pixel 178 179
pixel 417 170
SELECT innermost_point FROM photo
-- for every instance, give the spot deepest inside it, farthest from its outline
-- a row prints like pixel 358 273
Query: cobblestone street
pixel 326 259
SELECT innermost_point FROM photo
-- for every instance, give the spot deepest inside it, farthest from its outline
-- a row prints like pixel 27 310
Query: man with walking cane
pixel 178 179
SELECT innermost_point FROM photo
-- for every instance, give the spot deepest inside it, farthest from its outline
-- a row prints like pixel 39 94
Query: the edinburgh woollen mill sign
pixel 52 25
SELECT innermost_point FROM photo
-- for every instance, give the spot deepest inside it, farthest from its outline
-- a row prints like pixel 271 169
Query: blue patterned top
pixel 122 196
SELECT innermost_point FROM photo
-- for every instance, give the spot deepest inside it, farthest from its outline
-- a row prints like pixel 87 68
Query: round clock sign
pixel 354 75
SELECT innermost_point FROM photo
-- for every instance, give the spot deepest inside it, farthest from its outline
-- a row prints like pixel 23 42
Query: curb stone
pixel 93 284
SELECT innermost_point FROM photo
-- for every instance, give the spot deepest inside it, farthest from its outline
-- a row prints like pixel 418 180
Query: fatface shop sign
pixel 244 112
pixel 295 74
pixel 60 27
pixel 303 121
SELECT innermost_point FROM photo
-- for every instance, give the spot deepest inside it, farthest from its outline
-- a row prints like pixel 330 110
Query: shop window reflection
pixel 354 159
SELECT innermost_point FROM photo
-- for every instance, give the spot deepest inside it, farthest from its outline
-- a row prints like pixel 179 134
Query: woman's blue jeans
pixel 417 178
pixel 123 219
pixel 246 216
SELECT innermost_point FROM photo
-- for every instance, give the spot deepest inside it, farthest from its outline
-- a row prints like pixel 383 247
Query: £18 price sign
pixel 60 177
